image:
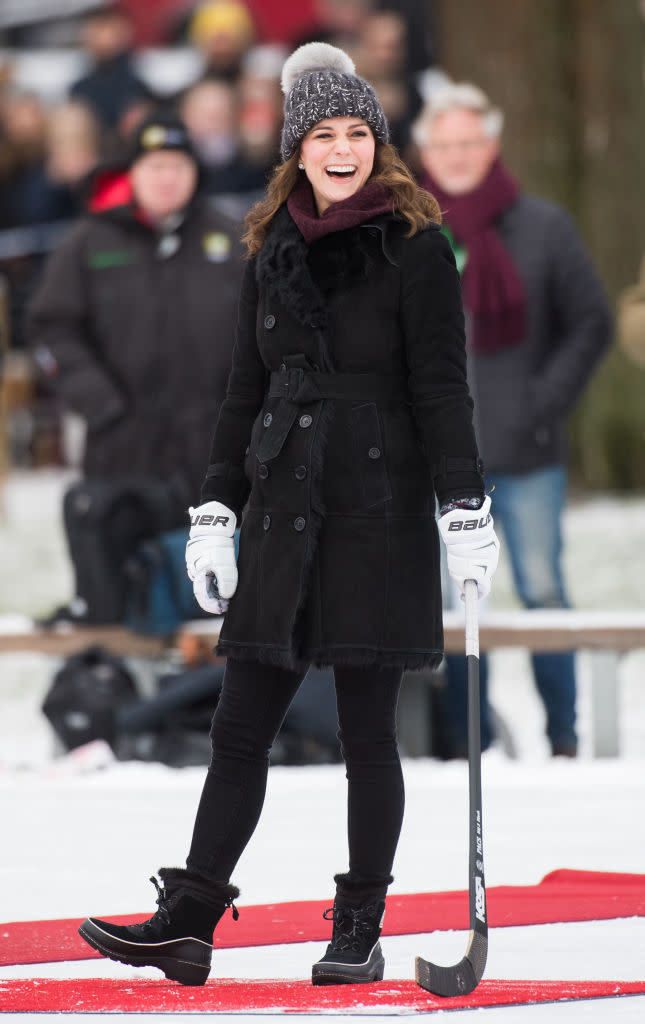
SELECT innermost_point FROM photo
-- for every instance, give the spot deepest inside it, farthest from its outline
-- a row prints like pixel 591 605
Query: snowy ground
pixel 78 844
pixel 88 844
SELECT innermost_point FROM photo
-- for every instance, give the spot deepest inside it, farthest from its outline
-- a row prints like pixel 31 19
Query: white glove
pixel 472 546
pixel 210 555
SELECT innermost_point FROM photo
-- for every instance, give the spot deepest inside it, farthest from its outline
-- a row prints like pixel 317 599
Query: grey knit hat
pixel 320 81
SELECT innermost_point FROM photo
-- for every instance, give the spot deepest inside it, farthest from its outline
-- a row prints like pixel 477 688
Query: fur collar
pixel 281 267
pixel 301 277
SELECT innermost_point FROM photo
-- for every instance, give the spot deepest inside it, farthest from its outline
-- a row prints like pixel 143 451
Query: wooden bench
pixel 606 635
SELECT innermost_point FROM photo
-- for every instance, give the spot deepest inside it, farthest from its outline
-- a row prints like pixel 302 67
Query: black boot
pixel 178 939
pixel 354 953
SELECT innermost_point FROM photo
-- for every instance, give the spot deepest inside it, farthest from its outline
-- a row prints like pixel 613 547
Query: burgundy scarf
pixel 493 290
pixel 370 201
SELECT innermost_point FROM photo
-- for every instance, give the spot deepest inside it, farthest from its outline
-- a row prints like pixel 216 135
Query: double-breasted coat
pixel 347 409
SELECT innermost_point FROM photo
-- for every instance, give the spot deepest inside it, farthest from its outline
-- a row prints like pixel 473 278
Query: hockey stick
pixel 466 975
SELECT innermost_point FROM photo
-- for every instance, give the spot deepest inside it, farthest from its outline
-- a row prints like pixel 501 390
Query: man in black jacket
pixel 538 323
pixel 132 326
pixel 111 84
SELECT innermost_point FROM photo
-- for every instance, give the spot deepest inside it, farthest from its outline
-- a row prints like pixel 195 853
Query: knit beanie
pixel 161 130
pixel 320 81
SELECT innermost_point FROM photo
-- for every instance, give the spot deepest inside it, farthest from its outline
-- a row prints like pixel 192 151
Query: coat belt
pixel 297 386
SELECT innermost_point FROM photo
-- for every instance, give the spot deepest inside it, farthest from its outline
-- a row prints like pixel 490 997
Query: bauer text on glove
pixel 472 546
pixel 210 555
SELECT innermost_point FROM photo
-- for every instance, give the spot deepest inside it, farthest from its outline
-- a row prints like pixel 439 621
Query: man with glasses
pixel 537 325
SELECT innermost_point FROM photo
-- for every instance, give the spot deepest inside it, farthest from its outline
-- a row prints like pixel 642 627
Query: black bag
pixel 85 692
pixel 105 521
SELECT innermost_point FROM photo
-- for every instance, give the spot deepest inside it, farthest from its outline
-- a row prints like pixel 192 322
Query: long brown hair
pixel 411 201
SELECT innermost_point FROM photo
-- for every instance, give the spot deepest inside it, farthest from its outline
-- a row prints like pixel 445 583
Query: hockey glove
pixel 472 546
pixel 210 555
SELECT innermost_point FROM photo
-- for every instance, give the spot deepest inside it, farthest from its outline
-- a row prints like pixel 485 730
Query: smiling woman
pixel 347 412
pixel 337 156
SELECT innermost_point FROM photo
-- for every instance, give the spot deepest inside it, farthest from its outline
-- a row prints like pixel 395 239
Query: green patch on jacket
pixel 460 251
pixel 110 258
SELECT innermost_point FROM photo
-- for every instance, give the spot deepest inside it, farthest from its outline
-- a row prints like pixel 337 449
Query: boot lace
pixel 353 927
pixel 234 911
pixel 162 901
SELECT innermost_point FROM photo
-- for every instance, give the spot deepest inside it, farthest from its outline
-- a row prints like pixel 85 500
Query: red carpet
pixel 232 996
pixel 561 896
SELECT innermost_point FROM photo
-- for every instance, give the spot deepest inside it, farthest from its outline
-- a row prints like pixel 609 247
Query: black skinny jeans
pixel 250 711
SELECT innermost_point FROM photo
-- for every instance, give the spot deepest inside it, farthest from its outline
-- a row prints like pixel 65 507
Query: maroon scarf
pixel 370 201
pixel 493 289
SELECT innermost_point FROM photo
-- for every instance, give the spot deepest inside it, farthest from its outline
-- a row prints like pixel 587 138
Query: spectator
pixel 538 323
pixel 132 328
pixel 210 111
pixel 631 320
pixel 134 112
pixel 27 195
pixel 261 106
pixel 74 146
pixel 421 29
pixel 34 200
pixel 111 85
pixel 339 22
pixel 222 31
pixel 382 59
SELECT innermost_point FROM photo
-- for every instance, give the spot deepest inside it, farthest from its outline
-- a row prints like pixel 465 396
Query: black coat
pixel 338 451
pixel 139 343
pixel 525 393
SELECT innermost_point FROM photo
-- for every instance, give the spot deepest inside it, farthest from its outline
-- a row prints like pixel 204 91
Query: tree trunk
pixel 568 75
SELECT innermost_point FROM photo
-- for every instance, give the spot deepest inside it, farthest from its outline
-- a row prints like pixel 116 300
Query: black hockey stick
pixel 466 975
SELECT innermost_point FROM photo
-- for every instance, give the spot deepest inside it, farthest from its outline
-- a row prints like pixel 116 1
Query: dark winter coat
pixel 110 88
pixel 139 343
pixel 346 407
pixel 524 393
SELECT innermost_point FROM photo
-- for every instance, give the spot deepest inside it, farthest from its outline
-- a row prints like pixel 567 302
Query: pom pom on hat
pixel 315 57
pixel 320 81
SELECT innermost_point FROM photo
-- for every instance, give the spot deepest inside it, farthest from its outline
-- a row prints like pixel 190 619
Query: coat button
pixel 300 472
pixel 266 522
pixel 263 471
pixel 299 524
pixel 305 420
pixel 269 321
pixel 267 419
pixel 374 453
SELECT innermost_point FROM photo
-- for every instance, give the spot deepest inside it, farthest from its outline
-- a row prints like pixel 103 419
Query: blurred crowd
pixel 231 104
pixel 232 108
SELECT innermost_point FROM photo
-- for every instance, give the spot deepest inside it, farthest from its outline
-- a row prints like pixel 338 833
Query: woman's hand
pixel 472 546
pixel 210 555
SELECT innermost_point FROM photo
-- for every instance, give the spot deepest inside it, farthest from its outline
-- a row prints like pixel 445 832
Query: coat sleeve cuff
pixel 226 483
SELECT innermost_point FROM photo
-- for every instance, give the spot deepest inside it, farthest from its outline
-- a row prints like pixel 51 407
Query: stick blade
pixel 459 980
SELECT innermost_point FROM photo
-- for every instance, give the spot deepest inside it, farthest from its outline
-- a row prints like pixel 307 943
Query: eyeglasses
pixel 462 145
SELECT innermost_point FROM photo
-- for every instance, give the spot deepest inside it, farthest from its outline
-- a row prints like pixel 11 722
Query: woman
pixel 347 410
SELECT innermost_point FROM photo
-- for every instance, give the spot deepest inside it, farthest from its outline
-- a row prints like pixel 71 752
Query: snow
pixel 83 835
pixel 88 844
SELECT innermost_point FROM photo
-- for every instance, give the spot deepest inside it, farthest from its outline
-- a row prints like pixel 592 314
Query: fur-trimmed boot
pixel 354 953
pixel 178 939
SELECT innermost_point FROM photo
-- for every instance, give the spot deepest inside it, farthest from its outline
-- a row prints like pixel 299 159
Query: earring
pixel 301 166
